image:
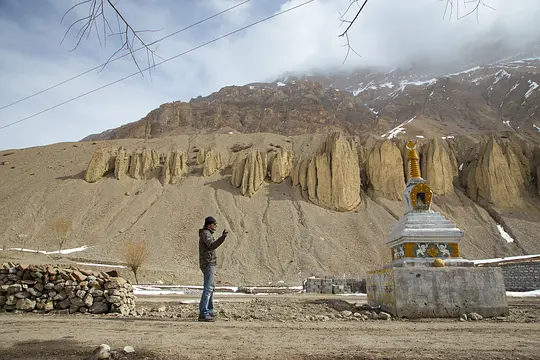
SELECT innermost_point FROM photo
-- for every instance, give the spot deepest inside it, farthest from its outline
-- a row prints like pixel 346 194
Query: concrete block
pixel 438 292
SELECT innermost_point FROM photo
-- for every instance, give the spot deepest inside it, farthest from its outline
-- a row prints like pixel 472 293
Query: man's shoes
pixel 206 318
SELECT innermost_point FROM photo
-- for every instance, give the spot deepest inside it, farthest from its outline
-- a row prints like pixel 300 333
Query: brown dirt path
pixel 32 336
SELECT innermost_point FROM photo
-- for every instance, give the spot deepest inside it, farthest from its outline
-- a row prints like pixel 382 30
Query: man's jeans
pixel 206 306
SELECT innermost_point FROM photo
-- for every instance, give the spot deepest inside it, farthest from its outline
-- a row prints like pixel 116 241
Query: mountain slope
pixel 501 96
pixel 277 233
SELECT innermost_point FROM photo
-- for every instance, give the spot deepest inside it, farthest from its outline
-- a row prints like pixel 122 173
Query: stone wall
pixel 331 285
pixel 47 288
pixel 521 276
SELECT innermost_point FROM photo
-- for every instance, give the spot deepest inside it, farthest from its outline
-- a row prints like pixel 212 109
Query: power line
pixel 127 54
pixel 160 63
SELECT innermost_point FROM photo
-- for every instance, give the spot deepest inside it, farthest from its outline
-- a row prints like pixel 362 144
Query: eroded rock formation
pixel 212 161
pixel 249 171
pixel 384 169
pixel 495 170
pixel 280 165
pixel 140 164
pixel 121 164
pixel 331 178
pixel 174 168
pixel 439 166
pixel 494 176
pixel 102 162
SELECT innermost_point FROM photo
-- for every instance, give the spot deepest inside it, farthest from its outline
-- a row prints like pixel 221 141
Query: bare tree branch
pixel 350 23
pixel 450 6
pixel 129 37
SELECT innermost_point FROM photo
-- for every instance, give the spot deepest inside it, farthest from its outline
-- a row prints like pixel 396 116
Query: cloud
pixel 388 33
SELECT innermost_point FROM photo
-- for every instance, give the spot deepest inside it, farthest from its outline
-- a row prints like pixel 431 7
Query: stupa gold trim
pixel 412 157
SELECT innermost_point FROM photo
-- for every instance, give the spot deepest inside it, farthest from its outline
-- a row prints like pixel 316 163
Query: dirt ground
pixel 281 327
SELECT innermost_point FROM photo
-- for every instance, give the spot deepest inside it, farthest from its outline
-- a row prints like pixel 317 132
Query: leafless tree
pixel 461 9
pixel 61 229
pixel 135 254
pixel 131 40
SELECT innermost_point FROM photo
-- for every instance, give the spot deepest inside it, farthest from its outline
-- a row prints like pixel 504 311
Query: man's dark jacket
pixel 208 246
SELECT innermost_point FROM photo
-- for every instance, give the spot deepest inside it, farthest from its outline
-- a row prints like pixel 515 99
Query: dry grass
pixel 136 253
pixel 61 229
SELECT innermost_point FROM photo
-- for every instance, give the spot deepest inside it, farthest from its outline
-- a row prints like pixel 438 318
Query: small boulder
pixel 103 351
pixel 99 308
pixel 384 316
pixel 475 316
pixel 25 304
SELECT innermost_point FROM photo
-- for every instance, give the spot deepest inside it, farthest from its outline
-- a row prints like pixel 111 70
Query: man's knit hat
pixel 209 220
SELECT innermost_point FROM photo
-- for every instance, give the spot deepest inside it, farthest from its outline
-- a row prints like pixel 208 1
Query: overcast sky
pixel 389 33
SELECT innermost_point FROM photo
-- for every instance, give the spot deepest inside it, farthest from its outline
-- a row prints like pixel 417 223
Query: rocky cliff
pixel 500 96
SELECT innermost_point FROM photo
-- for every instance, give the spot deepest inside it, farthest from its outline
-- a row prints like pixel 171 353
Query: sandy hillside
pixel 274 235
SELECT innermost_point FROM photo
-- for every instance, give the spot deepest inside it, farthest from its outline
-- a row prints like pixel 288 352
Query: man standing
pixel 207 263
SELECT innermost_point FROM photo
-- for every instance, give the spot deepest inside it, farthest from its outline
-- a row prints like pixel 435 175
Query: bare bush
pixel 61 229
pixel 135 254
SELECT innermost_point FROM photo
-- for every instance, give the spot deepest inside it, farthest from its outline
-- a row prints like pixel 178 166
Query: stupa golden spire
pixel 412 157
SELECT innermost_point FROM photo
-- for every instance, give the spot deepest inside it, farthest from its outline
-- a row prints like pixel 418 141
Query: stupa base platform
pixel 446 292
pixel 453 262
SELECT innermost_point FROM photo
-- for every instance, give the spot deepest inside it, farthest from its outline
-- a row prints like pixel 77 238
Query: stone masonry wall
pixel 522 276
pixel 47 288
pixel 331 285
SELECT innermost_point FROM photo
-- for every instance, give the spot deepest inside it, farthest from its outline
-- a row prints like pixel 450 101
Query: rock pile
pixel 47 288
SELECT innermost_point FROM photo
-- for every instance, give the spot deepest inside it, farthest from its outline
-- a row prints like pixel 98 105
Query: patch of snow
pixel 507 122
pixel 65 251
pixel 388 85
pixel 104 265
pixel 279 83
pixel 420 136
pixel 430 95
pixel 501 74
pixel 403 84
pixel 420 83
pixel 532 59
pixel 373 111
pixel 513 88
pixel 489 261
pixel 362 89
pixel 231 133
pixel 397 130
pixel 504 234
pixel 354 294
pixel 461 167
pixel 251 87
pixel 137 291
pixel 532 86
pixel 465 71
pixel 533 293
pixel 447 137
pixel 536 127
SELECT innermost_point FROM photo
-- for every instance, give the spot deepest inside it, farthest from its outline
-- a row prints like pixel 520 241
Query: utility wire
pixel 127 54
pixel 160 63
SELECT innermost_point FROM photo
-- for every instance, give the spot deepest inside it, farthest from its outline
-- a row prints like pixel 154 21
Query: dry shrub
pixel 61 229
pixel 136 253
